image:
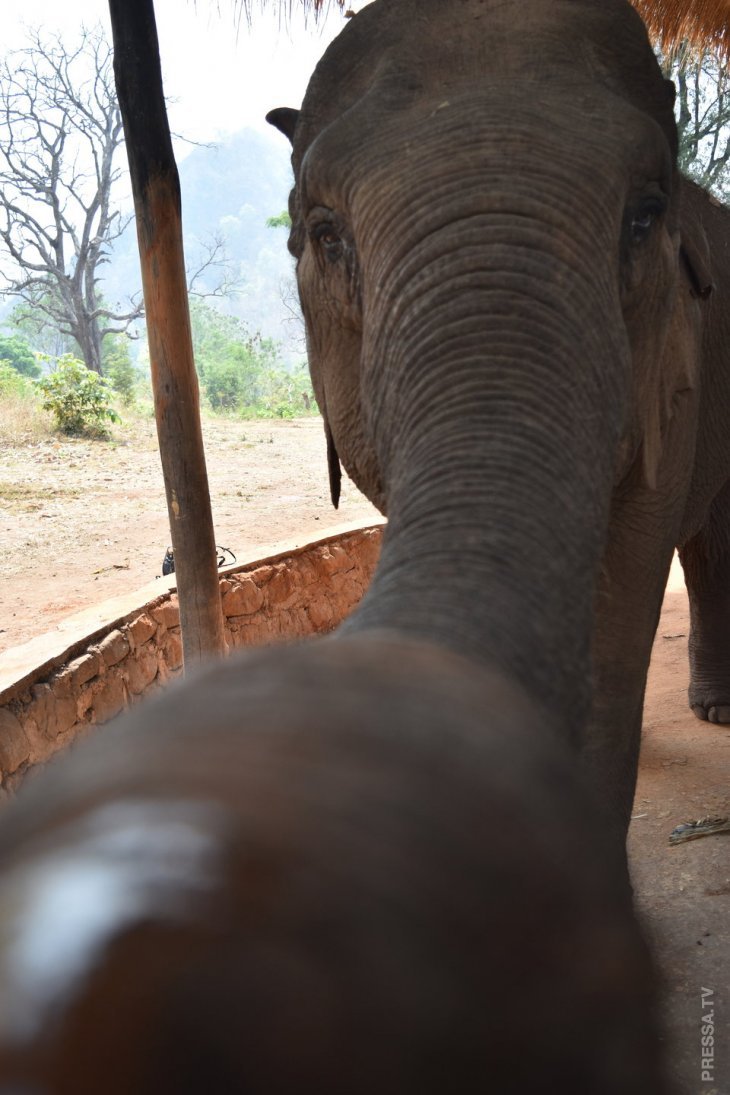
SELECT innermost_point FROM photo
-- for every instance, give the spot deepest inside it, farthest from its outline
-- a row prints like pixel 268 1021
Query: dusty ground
pixel 84 521
pixel 684 891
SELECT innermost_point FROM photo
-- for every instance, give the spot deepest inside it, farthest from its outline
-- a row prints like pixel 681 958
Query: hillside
pixel 231 188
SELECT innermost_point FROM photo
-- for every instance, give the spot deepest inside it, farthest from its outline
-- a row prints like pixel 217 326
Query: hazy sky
pixel 221 77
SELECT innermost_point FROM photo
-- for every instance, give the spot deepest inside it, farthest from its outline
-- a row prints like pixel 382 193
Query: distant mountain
pixel 230 189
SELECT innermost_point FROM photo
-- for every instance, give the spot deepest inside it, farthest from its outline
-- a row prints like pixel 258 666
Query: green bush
pixel 117 366
pixel 21 419
pixel 281 220
pixel 79 399
pixel 225 380
pixel 16 352
pixel 240 372
pixel 282 394
pixel 12 383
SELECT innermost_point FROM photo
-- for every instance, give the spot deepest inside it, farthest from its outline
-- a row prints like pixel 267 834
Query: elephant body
pixel 704 540
pixel 373 863
pixel 517 330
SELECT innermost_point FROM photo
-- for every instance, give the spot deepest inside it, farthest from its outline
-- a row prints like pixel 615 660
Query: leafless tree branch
pixel 213 263
pixel 60 129
pixel 703 115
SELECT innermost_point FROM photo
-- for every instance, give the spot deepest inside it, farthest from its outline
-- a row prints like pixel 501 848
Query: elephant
pixel 379 861
pixel 354 865
pixel 517 325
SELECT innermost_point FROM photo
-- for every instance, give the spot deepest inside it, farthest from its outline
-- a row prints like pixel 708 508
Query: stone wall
pixel 304 592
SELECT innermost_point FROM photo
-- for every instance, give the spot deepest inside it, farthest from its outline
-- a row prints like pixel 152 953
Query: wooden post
pixel 156 189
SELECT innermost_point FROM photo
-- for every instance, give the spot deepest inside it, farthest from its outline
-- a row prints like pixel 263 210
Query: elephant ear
pixel 285 119
pixel 679 364
pixel 333 465
pixel 695 252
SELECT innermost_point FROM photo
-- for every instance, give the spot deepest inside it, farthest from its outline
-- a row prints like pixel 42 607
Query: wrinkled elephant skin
pixel 515 324
pixel 370 864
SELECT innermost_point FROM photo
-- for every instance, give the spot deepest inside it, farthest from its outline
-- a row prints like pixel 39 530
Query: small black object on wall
pixel 225 558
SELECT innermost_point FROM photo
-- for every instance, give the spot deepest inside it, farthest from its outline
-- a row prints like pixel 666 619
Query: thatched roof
pixel 701 22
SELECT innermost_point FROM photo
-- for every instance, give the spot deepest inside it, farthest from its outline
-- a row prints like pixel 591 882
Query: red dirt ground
pixel 684 891
pixel 82 521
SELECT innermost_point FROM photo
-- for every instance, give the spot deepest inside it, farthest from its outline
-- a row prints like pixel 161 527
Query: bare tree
pixel 702 109
pixel 212 261
pixel 60 129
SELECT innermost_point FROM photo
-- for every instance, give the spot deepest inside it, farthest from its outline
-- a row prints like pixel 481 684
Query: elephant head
pixel 486 225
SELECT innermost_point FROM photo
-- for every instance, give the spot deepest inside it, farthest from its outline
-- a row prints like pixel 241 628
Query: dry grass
pixel 28 497
pixel 22 421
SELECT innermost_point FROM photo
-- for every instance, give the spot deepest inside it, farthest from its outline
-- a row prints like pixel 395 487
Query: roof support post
pixel 156 189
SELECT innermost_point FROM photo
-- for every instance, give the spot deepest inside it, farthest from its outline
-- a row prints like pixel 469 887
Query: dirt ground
pixel 83 521
pixel 683 892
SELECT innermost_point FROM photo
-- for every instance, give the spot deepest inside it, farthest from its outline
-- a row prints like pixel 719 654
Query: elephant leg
pixel 644 525
pixel 622 650
pixel 706 562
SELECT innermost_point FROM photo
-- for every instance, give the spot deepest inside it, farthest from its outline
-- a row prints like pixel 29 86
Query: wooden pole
pixel 156 189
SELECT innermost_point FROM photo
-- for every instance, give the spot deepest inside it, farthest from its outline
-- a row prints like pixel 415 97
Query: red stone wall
pixel 308 591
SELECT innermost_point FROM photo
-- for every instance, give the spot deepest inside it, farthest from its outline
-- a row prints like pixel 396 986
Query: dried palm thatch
pixel 245 9
pixel 702 23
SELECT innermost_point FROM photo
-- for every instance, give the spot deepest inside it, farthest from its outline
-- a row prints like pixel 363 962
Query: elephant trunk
pixel 496 374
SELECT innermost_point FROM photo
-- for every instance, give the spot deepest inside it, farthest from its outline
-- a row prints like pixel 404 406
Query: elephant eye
pixel 644 218
pixel 641 226
pixel 328 239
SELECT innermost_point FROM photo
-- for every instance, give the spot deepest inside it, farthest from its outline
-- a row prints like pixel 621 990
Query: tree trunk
pixel 156 189
pixel 89 340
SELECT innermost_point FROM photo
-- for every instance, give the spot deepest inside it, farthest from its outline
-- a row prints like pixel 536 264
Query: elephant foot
pixel 709 688
pixel 718 713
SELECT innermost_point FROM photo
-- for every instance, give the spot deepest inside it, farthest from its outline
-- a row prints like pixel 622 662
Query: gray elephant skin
pixel 372 864
pixel 518 331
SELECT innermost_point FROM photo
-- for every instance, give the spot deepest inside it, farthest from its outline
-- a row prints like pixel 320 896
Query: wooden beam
pixel 156 189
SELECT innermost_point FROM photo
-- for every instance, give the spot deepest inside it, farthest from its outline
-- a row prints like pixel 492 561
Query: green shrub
pixel 240 372
pixel 16 352
pixel 12 382
pixel 79 399
pixel 281 220
pixel 282 394
pixel 21 419
pixel 118 367
pixel 225 381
